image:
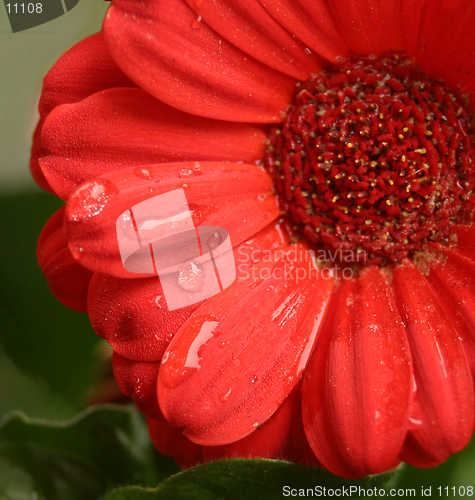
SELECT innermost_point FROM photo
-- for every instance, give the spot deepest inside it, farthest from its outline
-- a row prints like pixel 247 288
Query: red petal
pixel 411 18
pixel 373 27
pixel 132 315
pixel 446 43
pixel 235 196
pixel 170 441
pixel 357 388
pixel 463 238
pixel 453 277
pixel 311 22
pixel 227 371
pixel 119 127
pixel 138 381
pixel 267 441
pixel 66 278
pixel 83 70
pixel 299 450
pixel 177 58
pixel 247 25
pixel 442 415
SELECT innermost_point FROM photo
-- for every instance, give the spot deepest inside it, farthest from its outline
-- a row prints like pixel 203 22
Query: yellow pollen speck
pixel 368 222
pixel 349 144
pixel 428 132
pixel 391 182
pixel 410 200
pixel 388 202
pixel 403 158
pixel 401 136
pixel 405 129
pixel 381 116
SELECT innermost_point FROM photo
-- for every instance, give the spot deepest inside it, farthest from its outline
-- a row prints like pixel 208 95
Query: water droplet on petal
pixel 197 169
pixel 225 397
pixel 191 276
pixel 186 172
pixel 222 344
pixel 214 240
pixel 138 390
pixel 307 51
pixel 77 252
pixel 195 352
pixel 144 173
pixel 196 23
pixel 158 299
pixel 254 379
pixel 90 199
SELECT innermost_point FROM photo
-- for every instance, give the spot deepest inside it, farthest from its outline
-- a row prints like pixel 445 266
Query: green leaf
pixel 101 449
pixel 44 339
pixel 237 479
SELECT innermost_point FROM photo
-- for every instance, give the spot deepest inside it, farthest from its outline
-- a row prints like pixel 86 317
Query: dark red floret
pixel 373 159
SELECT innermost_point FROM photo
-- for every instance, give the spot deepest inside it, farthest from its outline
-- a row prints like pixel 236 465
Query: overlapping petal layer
pixel 312 23
pixel 443 387
pixel 59 266
pixel 221 194
pixel 116 128
pixel 133 315
pixel 357 388
pixel 226 370
pixel 83 70
pixel 453 277
pixel 247 25
pixel 390 376
pixel 165 48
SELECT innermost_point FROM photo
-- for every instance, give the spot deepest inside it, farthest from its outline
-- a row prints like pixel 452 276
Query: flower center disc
pixel 373 159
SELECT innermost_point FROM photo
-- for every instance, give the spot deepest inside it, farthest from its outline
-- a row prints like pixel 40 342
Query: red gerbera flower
pixel 347 337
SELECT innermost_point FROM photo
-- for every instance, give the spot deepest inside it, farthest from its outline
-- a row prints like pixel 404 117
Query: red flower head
pixel 319 136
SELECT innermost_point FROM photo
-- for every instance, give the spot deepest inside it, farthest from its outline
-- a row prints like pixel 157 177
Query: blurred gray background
pixel 25 57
